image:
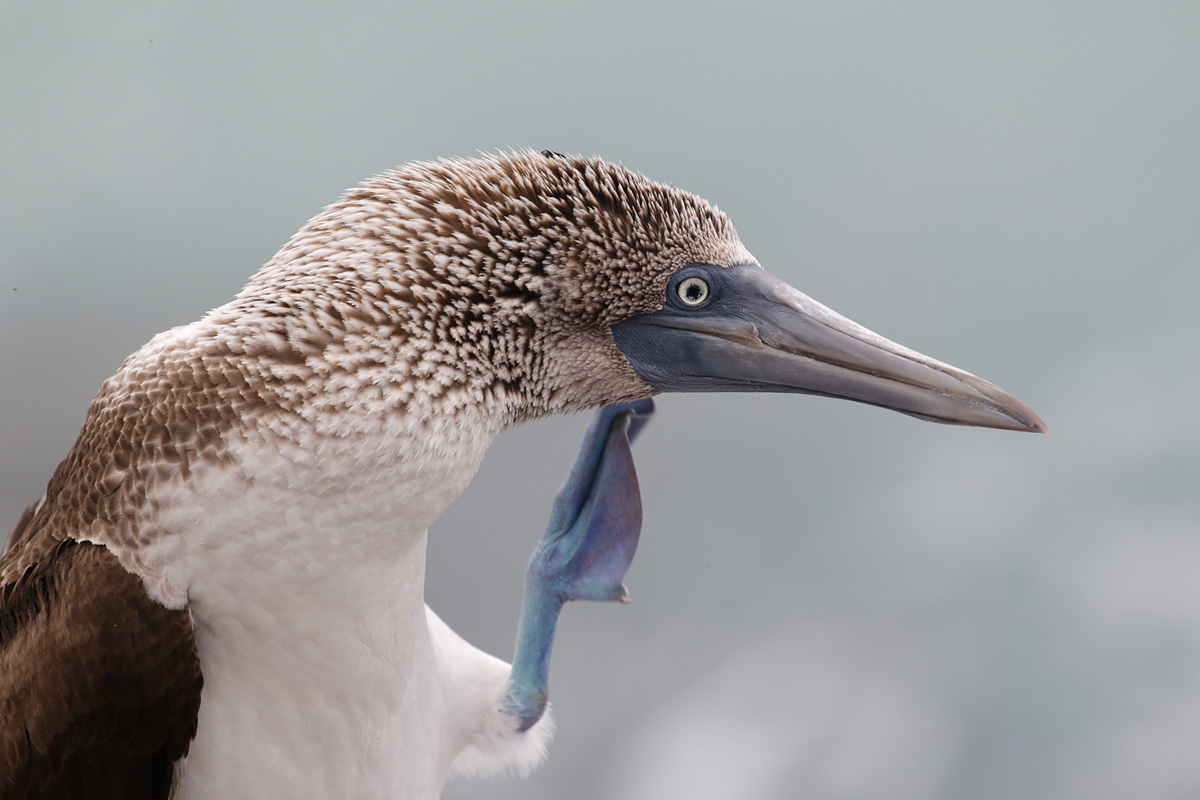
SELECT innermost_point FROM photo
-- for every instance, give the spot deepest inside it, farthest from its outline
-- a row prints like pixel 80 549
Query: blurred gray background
pixel 831 601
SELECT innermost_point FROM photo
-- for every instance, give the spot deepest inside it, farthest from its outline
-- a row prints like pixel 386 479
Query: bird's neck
pixel 295 503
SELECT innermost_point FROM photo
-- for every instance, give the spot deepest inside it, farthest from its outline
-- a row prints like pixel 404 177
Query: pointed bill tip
pixel 999 408
pixel 1035 425
pixel 1031 421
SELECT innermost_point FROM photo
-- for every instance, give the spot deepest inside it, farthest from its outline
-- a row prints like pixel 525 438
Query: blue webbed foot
pixel 588 546
pixel 597 515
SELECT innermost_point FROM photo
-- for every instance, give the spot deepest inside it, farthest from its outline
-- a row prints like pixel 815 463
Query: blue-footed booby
pixel 221 593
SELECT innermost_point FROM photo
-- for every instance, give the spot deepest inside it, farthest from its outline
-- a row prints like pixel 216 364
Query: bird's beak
pixel 754 333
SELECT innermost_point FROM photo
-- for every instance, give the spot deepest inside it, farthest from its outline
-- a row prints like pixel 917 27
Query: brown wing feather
pixel 99 684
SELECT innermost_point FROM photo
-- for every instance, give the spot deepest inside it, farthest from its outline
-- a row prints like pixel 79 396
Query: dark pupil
pixel 693 292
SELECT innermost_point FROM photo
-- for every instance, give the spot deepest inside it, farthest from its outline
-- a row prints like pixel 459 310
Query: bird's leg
pixel 588 545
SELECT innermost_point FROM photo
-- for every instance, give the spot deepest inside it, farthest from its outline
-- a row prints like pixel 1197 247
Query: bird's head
pixel 540 283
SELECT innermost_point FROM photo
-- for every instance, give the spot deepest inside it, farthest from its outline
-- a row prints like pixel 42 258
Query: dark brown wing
pixel 99 684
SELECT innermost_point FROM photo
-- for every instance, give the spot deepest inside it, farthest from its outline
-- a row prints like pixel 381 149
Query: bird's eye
pixel 692 291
